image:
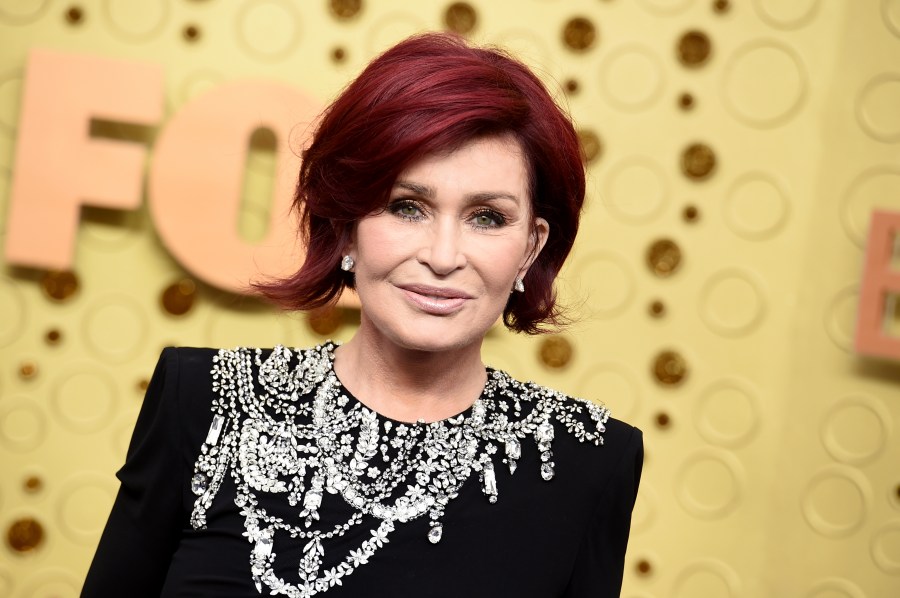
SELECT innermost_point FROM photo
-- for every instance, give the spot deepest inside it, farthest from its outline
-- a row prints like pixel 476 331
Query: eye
pixel 488 219
pixel 406 209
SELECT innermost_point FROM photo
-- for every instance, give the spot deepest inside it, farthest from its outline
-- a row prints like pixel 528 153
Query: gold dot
pixel 59 286
pixel 690 214
pixel 571 86
pixel 53 336
pixel 25 534
pixel 721 6
pixel 662 420
pixel 664 257
pixel 33 484
pixel 694 49
pixel 338 54
pixel 591 146
pixel 698 161
pixel 326 321
pixel 643 567
pixel 669 368
pixel 74 15
pixel 686 101
pixel 345 9
pixel 28 370
pixel 191 33
pixel 579 34
pixel 143 384
pixel 178 297
pixel 460 17
pixel 657 309
pixel 897 491
pixel 555 352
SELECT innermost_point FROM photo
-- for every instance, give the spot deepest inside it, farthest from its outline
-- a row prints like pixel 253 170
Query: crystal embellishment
pixel 198 484
pixel 435 533
pixel 284 430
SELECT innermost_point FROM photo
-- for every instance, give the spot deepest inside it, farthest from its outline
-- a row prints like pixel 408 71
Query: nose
pixel 442 249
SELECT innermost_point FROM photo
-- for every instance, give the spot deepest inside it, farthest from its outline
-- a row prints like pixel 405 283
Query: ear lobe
pixel 540 231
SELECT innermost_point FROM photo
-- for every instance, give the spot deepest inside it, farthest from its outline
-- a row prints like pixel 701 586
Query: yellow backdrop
pixel 736 150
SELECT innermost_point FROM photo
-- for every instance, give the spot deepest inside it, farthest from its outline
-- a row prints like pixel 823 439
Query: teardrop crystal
pixel 435 533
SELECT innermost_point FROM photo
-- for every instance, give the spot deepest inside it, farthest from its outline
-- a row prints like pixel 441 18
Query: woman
pixel 443 185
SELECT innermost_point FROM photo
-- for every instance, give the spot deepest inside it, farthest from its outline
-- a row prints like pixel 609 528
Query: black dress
pixel 562 537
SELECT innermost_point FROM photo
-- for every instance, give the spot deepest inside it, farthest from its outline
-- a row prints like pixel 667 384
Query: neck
pixel 409 384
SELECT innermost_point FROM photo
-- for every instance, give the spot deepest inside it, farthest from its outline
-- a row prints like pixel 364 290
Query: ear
pixel 540 230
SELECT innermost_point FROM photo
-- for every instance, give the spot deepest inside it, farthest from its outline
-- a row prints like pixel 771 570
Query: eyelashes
pixel 413 211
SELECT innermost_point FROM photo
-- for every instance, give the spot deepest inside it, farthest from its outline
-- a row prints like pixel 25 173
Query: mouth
pixel 440 301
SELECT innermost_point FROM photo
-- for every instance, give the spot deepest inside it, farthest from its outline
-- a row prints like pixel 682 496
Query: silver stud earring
pixel 519 285
pixel 347 263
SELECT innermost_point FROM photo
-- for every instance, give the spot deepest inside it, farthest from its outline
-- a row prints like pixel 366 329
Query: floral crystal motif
pixel 291 429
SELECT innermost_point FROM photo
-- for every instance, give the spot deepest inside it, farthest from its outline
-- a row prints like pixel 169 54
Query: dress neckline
pixel 330 346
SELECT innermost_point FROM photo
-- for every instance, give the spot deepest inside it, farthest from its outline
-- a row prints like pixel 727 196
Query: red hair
pixel 428 94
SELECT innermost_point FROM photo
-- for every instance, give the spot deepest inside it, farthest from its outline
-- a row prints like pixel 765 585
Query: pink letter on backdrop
pixel 58 166
pixel 197 176
pixel 879 281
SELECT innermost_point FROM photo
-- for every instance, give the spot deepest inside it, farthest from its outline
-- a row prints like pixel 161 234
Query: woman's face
pixel 435 269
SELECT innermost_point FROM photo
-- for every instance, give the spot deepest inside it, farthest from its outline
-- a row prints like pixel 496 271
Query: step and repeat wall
pixel 736 151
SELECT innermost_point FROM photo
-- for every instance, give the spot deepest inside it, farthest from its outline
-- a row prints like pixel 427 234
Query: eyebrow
pixel 429 192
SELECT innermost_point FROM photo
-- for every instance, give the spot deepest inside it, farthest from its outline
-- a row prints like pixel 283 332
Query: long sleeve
pixel 143 528
pixel 601 558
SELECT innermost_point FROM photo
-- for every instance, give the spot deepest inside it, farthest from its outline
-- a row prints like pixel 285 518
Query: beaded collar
pixel 291 429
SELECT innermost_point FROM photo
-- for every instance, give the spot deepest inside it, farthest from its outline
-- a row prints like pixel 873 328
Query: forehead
pixel 496 162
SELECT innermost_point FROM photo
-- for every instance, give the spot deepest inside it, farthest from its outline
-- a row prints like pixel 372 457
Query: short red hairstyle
pixel 428 94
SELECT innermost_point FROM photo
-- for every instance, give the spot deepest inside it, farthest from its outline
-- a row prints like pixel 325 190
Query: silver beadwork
pixel 285 426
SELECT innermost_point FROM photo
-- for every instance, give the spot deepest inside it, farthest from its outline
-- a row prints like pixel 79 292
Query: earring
pixel 347 263
pixel 519 285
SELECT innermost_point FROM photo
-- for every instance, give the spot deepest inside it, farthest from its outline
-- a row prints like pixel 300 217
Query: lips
pixel 439 301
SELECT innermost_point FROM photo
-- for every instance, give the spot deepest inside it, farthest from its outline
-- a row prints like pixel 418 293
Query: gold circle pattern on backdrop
pixel 23 425
pixel 25 534
pixel 764 83
pixel 60 286
pixel 706 577
pixel 856 429
pixel 590 144
pixel 786 15
pixel 136 21
pixel 23 11
pixel 709 483
pixel 840 317
pixel 635 190
pixel 836 501
pixel 632 77
pixel 875 188
pixel 886 548
pixel 615 385
pixel 835 588
pixel 731 302
pixel 694 49
pixel 664 257
pixel 890 14
pixel 114 327
pixel 698 161
pixel 876 108
pixel 555 352
pixel 461 18
pixel 613 282
pixel 756 206
pixel 579 34
pixel 728 413
pixel 83 399
pixel 178 298
pixel 77 504
pixel 268 29
pixel 669 368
